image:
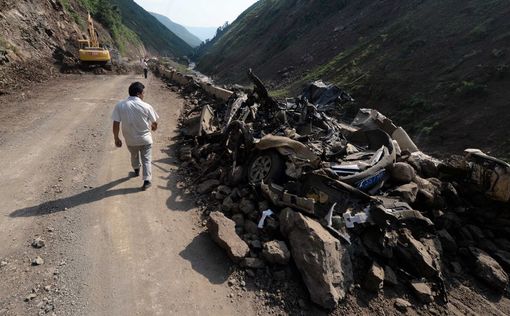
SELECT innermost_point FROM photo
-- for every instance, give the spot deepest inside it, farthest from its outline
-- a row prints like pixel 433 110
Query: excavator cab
pixel 90 53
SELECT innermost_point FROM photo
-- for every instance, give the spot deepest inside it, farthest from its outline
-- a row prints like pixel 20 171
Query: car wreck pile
pixel 350 200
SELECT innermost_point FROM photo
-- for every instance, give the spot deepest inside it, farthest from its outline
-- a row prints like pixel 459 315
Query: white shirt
pixel 136 118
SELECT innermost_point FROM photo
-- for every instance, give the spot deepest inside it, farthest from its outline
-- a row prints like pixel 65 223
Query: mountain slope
pixel 178 30
pixel 155 36
pixel 439 68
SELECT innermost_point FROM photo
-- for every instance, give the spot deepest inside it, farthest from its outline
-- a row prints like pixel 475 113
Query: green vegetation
pixel 471 89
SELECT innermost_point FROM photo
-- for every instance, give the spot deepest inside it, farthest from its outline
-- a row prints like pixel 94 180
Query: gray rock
pixel 408 192
pixel 422 291
pixel 321 259
pixel 38 243
pixel 256 244
pixel 402 172
pixel 503 258
pixel 276 251
pixel 447 242
pixel 38 261
pixel 222 192
pixel 228 204
pixel 247 206
pixel 222 231
pixel 3 264
pixel 207 186
pixel 390 278
pixel 374 278
pixel 253 263
pixel 417 255
pixel 251 228
pixel 402 305
pixel 456 267
pixel 488 270
pixel 238 219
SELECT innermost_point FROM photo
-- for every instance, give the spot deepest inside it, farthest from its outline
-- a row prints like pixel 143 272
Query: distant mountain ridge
pixel 203 32
pixel 178 30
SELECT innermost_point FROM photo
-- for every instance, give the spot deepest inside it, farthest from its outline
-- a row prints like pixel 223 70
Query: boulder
pixel 276 251
pixel 247 206
pixel 422 291
pixel 402 172
pixel 207 186
pixel 447 242
pixel 390 278
pixel 374 279
pixel 488 270
pixel 322 260
pixel 416 255
pixel 222 231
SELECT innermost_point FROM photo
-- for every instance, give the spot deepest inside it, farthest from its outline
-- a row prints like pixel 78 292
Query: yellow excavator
pixel 90 53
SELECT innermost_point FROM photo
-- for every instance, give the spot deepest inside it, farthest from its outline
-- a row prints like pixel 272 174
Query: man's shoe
pixel 146 185
pixel 135 173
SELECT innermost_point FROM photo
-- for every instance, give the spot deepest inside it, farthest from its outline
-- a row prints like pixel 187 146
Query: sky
pixel 212 13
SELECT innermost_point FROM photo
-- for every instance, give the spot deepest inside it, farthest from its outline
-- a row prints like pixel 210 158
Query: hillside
pixel 178 30
pixel 156 37
pixel 439 68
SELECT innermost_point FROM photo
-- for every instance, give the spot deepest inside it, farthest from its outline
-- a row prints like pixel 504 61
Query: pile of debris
pixel 349 200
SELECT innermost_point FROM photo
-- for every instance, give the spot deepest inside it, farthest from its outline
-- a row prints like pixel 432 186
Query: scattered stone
pixel 47 288
pixel 402 305
pixel 38 261
pixel 276 252
pixel 488 270
pixel 447 242
pixel 422 291
pixel 247 206
pixel 228 204
pixel 402 172
pixel 374 278
pixel 223 232
pixel 250 273
pixel 38 243
pixel 390 278
pixel 251 228
pixel 416 254
pixel 222 192
pixel 238 219
pixel 207 186
pixel 256 244
pixel 3 264
pixel 253 263
pixel 457 268
pixel 30 297
pixel 323 262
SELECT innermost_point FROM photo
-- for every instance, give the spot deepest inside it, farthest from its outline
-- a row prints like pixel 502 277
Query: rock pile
pixel 408 221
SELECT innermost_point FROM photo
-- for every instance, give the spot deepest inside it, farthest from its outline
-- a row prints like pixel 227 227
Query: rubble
pixel 38 242
pixel 338 187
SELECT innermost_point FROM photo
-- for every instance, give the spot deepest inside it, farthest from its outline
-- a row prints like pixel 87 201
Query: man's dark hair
pixel 135 89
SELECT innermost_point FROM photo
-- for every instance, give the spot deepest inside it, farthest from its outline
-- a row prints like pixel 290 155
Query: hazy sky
pixel 198 12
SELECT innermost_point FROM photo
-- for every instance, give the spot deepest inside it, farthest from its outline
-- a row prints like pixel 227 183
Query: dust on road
pixel 111 249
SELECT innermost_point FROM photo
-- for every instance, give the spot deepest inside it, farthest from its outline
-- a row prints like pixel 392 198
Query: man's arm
pixel 116 128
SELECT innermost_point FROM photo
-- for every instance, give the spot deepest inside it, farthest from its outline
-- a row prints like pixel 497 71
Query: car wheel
pixel 266 166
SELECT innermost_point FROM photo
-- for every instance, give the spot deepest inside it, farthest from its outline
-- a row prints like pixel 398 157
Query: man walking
pixel 138 119
pixel 145 67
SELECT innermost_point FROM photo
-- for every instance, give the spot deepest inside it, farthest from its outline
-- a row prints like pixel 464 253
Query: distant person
pixel 145 67
pixel 138 119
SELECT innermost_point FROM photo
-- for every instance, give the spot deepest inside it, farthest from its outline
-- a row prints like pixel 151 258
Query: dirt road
pixel 111 249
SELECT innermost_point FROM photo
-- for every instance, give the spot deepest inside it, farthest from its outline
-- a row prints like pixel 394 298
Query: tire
pixel 266 166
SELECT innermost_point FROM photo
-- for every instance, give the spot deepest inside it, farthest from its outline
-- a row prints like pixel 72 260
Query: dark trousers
pixel 145 71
